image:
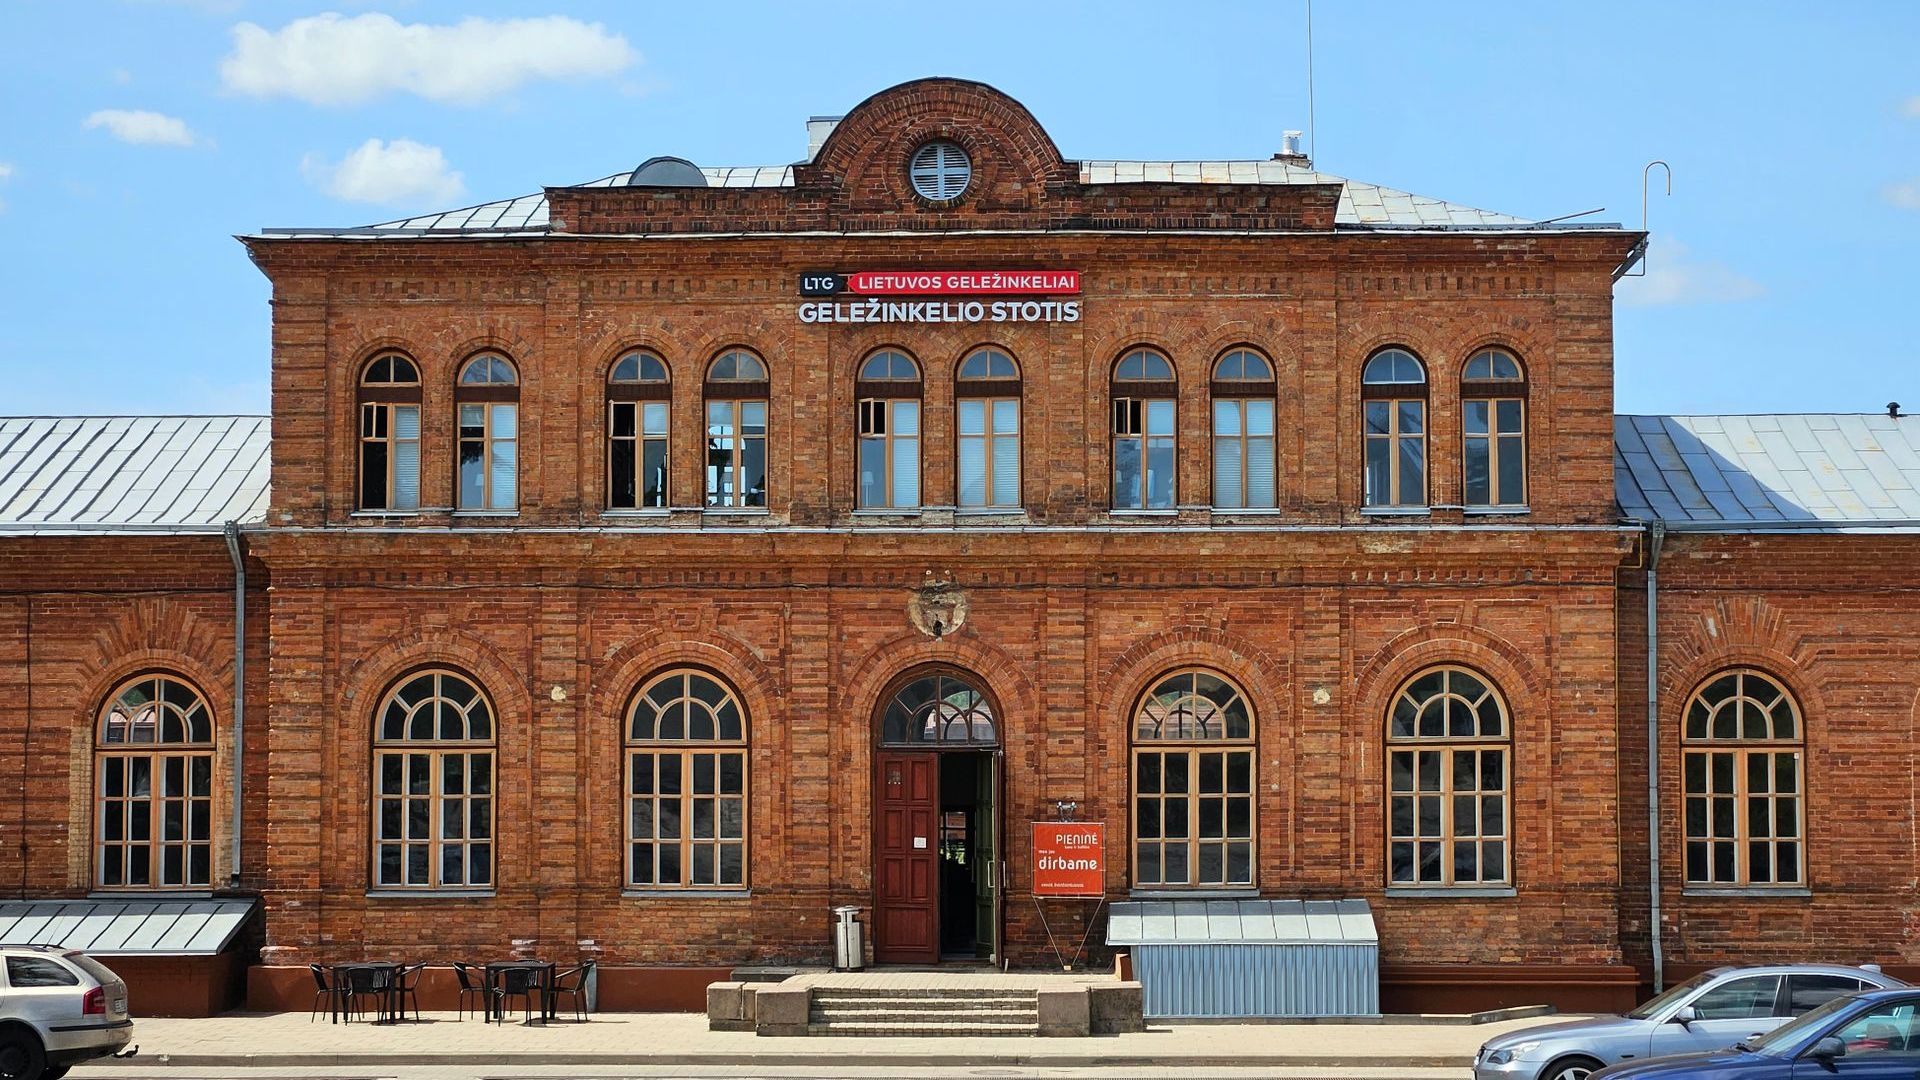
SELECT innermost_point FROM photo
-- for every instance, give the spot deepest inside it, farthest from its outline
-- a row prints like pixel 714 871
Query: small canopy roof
pixel 1242 922
pixel 168 927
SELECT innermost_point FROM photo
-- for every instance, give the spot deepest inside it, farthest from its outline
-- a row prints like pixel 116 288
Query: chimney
pixel 1893 410
pixel 818 128
pixel 1290 151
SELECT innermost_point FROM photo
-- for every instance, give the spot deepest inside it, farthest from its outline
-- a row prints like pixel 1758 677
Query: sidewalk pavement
pixel 291 1040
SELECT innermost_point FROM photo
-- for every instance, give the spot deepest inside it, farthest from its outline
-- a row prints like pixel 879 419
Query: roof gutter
pixel 232 531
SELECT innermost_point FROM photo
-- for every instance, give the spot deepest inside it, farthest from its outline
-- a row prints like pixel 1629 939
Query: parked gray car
pixel 1707 1012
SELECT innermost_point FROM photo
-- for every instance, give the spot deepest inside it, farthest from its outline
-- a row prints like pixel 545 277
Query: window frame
pixel 738 393
pixel 376 404
pixel 989 390
pixel 1743 750
pixel 1193 748
pixel 688 751
pixel 437 751
pixel 487 396
pixel 638 395
pixel 156 753
pixel 1129 399
pixel 879 398
pixel 1396 394
pixel 1491 392
pixel 1238 391
pixel 1446 746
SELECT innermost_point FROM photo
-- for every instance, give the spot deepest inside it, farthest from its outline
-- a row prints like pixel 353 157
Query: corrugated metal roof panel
pixel 112 473
pixel 1255 922
pixel 119 928
pixel 1819 470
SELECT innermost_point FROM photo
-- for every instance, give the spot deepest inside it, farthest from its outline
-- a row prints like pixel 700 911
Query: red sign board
pixel 1069 858
pixel 963 282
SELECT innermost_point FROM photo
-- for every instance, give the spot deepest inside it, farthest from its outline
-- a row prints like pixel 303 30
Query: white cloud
pixel 143 128
pixel 1911 108
pixel 1674 278
pixel 1904 195
pixel 6 174
pixel 397 172
pixel 331 59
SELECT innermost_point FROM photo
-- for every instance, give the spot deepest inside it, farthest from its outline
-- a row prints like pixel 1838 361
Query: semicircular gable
pixel 864 160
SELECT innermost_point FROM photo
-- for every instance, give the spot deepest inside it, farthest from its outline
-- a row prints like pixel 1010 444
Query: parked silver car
pixel 1707 1012
pixel 57 1008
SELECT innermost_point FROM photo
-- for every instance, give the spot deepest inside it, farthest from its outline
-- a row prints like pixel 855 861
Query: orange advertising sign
pixel 1069 858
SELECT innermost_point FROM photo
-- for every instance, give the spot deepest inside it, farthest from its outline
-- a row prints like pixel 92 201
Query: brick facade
pixel 1318 611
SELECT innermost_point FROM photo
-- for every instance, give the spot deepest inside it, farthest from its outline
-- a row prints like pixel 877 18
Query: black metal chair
pixel 325 991
pixel 472 982
pixel 407 989
pixel 373 982
pixel 523 983
pixel 572 983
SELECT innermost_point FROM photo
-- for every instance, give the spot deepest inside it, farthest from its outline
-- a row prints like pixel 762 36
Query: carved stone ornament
pixel 938 607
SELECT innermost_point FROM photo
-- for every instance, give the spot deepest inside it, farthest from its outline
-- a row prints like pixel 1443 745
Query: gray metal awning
pixel 1246 922
pixel 166 927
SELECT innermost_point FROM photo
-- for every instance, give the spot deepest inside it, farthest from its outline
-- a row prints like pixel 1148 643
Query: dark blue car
pixel 1873 1035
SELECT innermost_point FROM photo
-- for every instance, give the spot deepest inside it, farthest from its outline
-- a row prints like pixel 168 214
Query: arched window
pixel 686 784
pixel 1493 412
pixel 1744 747
pixel 1448 749
pixel 390 434
pixel 1193 781
pixel 987 406
pixel 1394 388
pixel 939 709
pixel 487 397
pixel 889 393
pixel 1145 397
pixel 154 768
pixel 639 396
pixel 1243 435
pixel 433 740
pixel 737 391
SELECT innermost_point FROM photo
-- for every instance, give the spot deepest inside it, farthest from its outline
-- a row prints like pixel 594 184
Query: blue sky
pixel 139 136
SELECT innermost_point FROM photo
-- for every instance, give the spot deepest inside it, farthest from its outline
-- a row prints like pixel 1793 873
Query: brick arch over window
pixel 863 162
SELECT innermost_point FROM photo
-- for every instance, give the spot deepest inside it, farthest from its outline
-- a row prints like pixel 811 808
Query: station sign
pixel 1069 858
pixel 901 296
pixel 942 283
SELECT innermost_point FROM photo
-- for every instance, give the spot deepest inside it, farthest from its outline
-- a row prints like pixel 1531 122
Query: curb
pixel 921 1060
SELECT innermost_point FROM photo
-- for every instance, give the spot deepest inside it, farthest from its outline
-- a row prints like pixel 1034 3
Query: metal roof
pixel 1246 922
pixel 163 927
pixel 1361 205
pixel 161 474
pixel 1792 471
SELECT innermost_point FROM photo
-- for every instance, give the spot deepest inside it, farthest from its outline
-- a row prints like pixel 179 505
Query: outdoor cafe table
pixel 343 982
pixel 544 973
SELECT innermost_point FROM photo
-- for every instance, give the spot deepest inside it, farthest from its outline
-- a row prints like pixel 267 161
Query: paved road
pixel 810 1072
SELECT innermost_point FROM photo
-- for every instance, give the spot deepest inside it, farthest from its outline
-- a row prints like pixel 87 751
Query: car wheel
pixel 1577 1068
pixel 21 1055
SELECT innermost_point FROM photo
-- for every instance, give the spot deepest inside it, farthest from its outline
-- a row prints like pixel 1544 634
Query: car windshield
pixel 1673 994
pixel 1781 1039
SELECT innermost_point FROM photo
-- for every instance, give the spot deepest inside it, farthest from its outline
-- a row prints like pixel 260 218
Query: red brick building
pixel 653 565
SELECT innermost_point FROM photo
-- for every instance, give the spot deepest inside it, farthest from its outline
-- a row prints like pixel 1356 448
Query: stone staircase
pixel 950 1010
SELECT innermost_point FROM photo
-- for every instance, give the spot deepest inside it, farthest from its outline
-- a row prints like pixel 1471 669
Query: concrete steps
pixel 922 1012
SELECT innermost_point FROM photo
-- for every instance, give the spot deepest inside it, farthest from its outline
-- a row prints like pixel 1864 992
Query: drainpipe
pixel 232 531
pixel 1656 536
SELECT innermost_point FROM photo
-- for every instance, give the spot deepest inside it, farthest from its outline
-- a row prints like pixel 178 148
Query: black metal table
pixel 544 973
pixel 343 984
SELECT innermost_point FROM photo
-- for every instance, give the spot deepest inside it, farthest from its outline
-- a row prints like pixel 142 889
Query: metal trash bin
pixel 849 940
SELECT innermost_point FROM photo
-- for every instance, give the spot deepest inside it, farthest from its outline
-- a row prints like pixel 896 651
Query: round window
pixel 940 171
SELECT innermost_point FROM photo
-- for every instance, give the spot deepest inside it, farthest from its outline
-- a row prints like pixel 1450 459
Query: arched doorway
pixel 937 869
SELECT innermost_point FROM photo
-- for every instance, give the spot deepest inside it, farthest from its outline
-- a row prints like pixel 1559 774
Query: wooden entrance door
pixel 906 858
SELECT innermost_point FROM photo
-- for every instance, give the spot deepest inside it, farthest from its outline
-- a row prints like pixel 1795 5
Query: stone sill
pixel 686 894
pixel 1746 892
pixel 1463 892
pixel 430 894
